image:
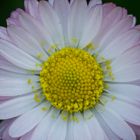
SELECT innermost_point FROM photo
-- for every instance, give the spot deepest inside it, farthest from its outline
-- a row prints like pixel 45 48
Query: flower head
pixel 69 71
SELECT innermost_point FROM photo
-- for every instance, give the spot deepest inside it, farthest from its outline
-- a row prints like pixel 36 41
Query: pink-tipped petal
pixel 31 6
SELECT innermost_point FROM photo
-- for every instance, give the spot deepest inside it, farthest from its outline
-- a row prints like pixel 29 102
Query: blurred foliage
pixel 6 7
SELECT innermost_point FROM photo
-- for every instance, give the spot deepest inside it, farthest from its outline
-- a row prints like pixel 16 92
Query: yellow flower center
pixel 72 80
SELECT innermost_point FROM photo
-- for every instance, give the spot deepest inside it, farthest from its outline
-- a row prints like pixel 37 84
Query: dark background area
pixel 6 7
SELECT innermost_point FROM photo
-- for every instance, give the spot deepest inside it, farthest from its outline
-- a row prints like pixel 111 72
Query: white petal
pixel 111 16
pixel 128 111
pixel 36 29
pixel 126 90
pixel 129 73
pixel 118 29
pixel 126 59
pixel 107 130
pixel 6 65
pixel 42 130
pixel 107 9
pixel 12 21
pixel 5 75
pixel 31 6
pixel 51 23
pixel 116 124
pixel 17 56
pixel 17 106
pixel 58 130
pixel 3 33
pixel 94 127
pixel 17 87
pixel 127 40
pixel 26 42
pixel 13 84
pixel 27 136
pixel 27 121
pixel 51 2
pixel 93 3
pixel 76 21
pixel 80 129
pixel 14 17
pixel 70 132
pixel 62 8
pixel 93 25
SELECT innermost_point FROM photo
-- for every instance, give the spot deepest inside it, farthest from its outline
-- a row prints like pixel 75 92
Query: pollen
pixel 72 80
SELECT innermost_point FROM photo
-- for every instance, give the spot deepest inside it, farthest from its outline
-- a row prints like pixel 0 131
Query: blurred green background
pixel 6 7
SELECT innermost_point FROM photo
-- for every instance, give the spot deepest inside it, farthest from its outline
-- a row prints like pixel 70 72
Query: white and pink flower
pixel 39 33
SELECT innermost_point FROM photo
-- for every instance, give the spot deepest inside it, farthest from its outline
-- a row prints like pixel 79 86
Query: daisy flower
pixel 70 71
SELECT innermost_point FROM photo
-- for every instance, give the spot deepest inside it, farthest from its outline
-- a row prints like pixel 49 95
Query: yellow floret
pixel 72 80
